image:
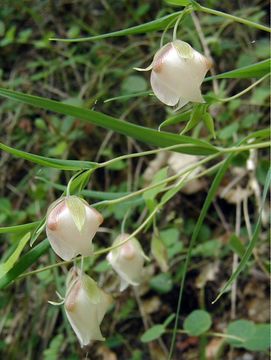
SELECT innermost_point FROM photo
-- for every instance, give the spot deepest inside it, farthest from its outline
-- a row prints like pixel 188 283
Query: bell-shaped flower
pixel 127 260
pixel 177 73
pixel 70 227
pixel 85 306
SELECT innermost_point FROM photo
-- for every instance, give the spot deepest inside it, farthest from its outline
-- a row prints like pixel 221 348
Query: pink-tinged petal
pixel 177 73
pixel 84 314
pixel 66 239
pixel 128 261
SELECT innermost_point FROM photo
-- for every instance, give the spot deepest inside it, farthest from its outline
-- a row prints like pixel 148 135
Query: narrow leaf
pixel 256 70
pixel 155 25
pixel 39 229
pixel 24 263
pixel 8 264
pixel 209 123
pixel 195 117
pixel 18 228
pixel 173 120
pixel 236 245
pixel 49 162
pixel 149 136
pixel 153 333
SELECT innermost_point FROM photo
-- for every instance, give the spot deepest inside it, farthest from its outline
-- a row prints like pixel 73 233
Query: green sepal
pixel 91 288
pixel 78 211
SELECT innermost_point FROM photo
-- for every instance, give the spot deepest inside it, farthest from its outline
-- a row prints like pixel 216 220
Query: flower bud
pixel 127 260
pixel 70 227
pixel 85 306
pixel 177 73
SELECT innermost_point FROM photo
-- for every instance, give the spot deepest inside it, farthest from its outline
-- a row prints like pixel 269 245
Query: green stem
pixel 246 90
pixel 198 7
pixel 185 12
pixel 143 153
pixel 71 181
pixel 246 147
pixel 211 333
pixel 162 182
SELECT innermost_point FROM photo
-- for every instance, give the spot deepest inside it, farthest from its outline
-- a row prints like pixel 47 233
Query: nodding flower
pixel 177 72
pixel 71 225
pixel 85 306
pixel 127 260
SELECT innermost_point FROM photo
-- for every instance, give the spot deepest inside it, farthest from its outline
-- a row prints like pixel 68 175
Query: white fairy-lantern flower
pixel 127 260
pixel 70 227
pixel 177 73
pixel 85 306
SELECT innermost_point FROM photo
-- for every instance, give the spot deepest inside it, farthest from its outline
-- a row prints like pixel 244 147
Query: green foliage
pixel 53 351
pixel 162 283
pixel 9 263
pixel 197 323
pixel 255 337
pixel 153 333
pixel 194 146
pixel 45 143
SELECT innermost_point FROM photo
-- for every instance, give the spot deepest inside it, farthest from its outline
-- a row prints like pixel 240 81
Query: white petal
pixel 127 264
pixel 84 319
pixel 177 75
pixel 163 91
pixel 65 238
pixel 84 315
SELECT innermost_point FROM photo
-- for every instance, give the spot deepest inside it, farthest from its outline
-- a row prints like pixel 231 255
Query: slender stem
pixel 143 153
pixel 45 268
pixel 211 333
pixel 246 90
pixel 174 177
pixel 169 179
pixel 185 11
pixel 246 147
pixel 155 151
pixel 71 181
pixel 164 32
pixel 145 222
pixel 124 222
pixel 198 7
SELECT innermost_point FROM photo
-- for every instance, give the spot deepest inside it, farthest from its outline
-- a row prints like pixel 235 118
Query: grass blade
pixel 149 136
pixel 18 228
pixel 256 70
pixel 49 162
pixel 24 263
pixel 9 263
pixel 155 25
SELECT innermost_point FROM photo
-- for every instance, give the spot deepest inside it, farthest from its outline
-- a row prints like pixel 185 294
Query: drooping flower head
pixel 85 306
pixel 127 260
pixel 70 227
pixel 177 73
